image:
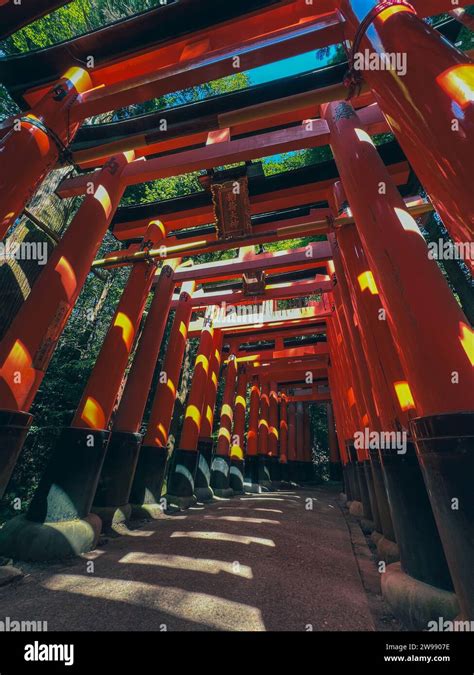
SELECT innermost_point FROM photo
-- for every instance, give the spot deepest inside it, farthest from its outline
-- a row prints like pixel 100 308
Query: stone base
pixel 356 509
pixel 112 515
pixel 8 573
pixel 24 539
pixel 180 502
pixel 267 485
pixel 414 602
pixel 225 493
pixel 204 494
pixel 146 511
pixel 376 536
pixel 236 476
pixel 254 488
pixel 387 550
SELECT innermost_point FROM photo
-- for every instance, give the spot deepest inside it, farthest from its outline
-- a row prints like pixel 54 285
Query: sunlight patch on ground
pixel 181 562
pixel 201 608
pixel 224 536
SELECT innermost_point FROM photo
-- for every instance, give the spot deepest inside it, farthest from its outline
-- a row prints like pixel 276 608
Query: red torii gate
pixel 373 248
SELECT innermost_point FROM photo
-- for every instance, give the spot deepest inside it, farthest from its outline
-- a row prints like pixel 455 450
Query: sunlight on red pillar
pixel 467 341
pixel 68 276
pixel 366 280
pixel 92 414
pixel 404 395
pixel 122 321
pixel 458 84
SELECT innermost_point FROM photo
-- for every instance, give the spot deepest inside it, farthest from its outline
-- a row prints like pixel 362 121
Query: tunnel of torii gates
pixel 386 347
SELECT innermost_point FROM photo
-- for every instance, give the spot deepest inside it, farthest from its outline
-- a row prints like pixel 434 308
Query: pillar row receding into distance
pixel 437 363
pixel 421 553
pixel 283 426
pixel 29 343
pixel 202 481
pixel 264 479
pixel 273 459
pixel 147 485
pixel 292 462
pixel 184 460
pixel 237 441
pixel 251 455
pixel 111 501
pixel 220 473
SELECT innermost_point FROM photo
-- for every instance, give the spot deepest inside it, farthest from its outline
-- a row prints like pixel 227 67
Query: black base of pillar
pixel 116 477
pixel 263 473
pixel 307 473
pixel 381 496
pixel 421 552
pixel 347 469
pixel 355 487
pixel 293 471
pixel 202 480
pixel 251 471
pixel 335 471
pixel 147 486
pixel 180 488
pixel 69 484
pixel 445 449
pixel 236 476
pixel 273 466
pixel 372 498
pixel 59 524
pixel 220 476
pixel 364 492
pixel 284 473
pixel 14 427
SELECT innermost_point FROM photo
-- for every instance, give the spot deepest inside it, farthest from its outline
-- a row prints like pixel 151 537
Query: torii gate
pixel 385 366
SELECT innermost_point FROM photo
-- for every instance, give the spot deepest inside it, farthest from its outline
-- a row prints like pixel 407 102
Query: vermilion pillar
pixel 438 363
pixel 180 488
pixel 354 342
pixel 148 481
pixel 237 442
pixel 35 143
pixel 284 437
pixel 386 374
pixel 421 553
pixel 202 481
pixel 251 456
pixel 95 408
pixel 220 473
pixel 113 491
pixel 428 102
pixel 292 461
pixel 68 486
pixel 273 434
pixel 308 440
pixel 300 459
pixel 334 457
pixel 28 345
pixel 263 473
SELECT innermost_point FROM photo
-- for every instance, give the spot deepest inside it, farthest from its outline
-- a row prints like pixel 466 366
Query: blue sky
pixel 286 67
